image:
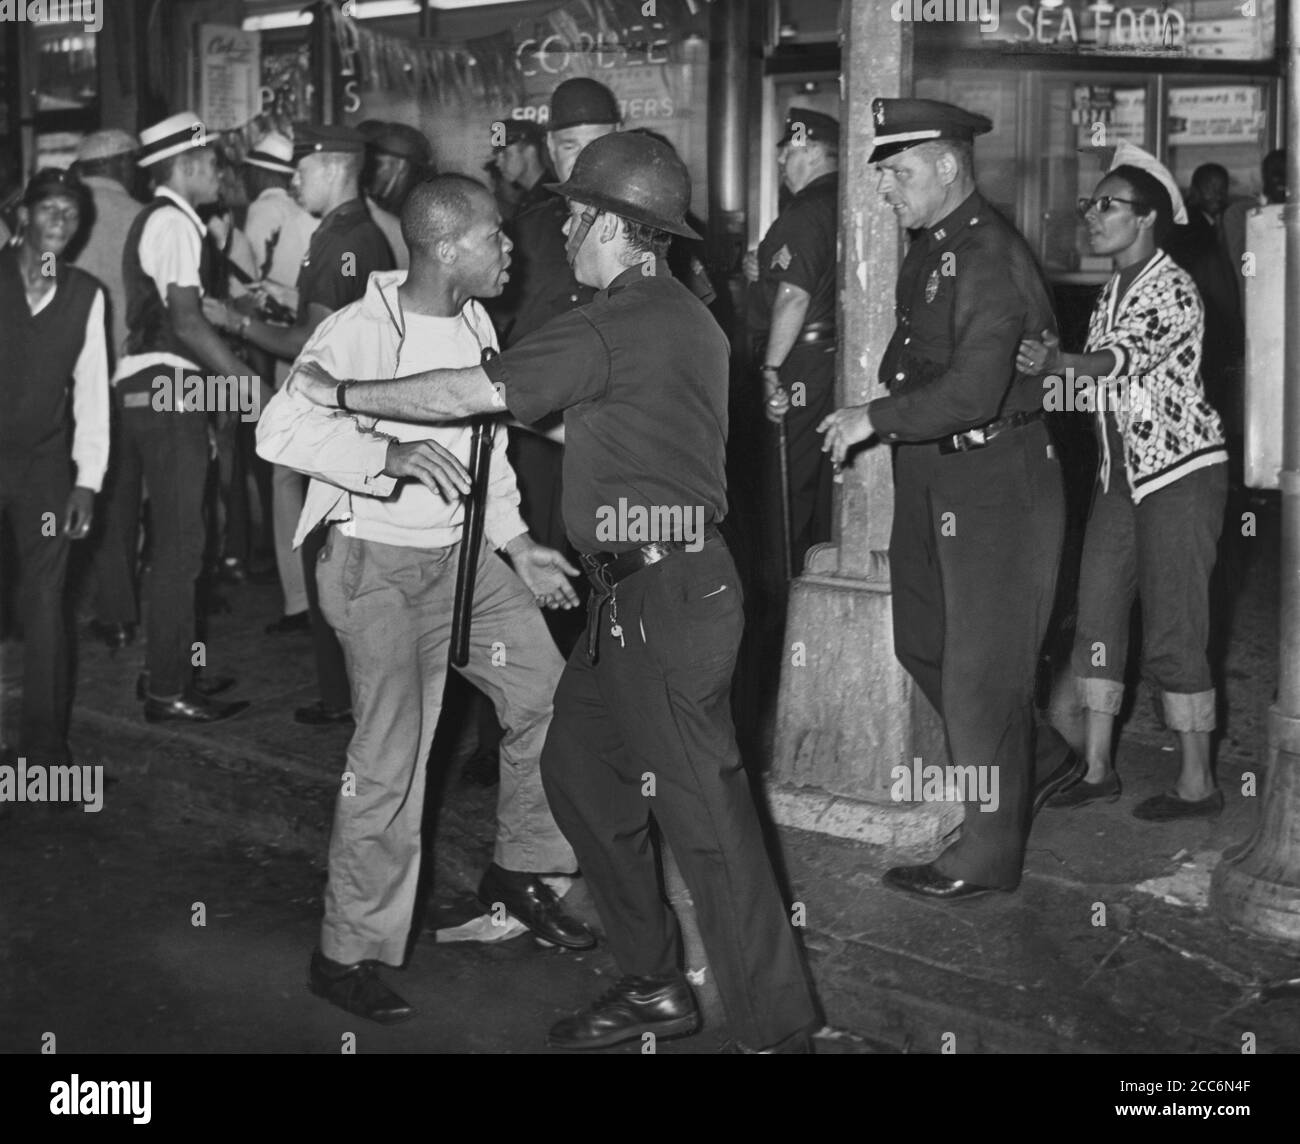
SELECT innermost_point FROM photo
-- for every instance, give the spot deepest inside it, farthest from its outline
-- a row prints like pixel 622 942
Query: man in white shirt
pixel 166 268
pixel 387 575
pixel 54 387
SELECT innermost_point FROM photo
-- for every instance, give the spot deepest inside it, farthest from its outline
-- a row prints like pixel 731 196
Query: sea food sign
pixel 1241 31
pixel 1101 25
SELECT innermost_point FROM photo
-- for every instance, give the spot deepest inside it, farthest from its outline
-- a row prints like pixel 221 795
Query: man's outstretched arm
pixel 433 396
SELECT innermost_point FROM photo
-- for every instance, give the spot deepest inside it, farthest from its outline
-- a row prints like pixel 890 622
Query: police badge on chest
pixel 932 286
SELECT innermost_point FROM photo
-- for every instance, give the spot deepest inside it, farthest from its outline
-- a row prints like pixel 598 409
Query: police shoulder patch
pixel 782 258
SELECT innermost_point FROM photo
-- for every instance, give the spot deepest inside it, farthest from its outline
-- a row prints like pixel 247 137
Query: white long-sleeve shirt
pixel 345 454
pixel 89 396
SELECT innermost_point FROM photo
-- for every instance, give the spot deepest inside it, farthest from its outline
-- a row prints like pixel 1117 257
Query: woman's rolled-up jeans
pixel 1163 552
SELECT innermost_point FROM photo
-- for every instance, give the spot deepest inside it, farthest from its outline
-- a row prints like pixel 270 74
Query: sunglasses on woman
pixel 1102 203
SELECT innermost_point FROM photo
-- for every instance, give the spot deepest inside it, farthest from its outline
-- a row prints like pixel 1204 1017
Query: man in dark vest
pixel 54 391
pixel 165 267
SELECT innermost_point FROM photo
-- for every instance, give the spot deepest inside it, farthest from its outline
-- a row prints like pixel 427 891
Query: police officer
pixel 519 167
pixel 642 732
pixel 397 157
pixel 346 248
pixel 793 316
pixel 978 500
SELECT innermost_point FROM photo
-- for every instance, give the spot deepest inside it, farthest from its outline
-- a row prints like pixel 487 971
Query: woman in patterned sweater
pixel 1159 501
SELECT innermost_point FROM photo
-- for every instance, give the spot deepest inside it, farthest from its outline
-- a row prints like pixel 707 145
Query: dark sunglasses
pixel 1102 203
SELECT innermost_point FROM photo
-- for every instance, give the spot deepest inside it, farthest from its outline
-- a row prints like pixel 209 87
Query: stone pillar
pixel 847 713
pixel 1257 885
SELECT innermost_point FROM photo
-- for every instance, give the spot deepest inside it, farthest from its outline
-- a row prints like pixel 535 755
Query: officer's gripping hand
pixel 79 513
pixel 1039 356
pixel 749 265
pixel 544 571
pixel 777 405
pixel 845 428
pixel 313 383
pixel 430 464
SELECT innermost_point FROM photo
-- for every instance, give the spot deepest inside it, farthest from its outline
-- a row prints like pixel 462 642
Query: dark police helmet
pixel 580 100
pixel 634 176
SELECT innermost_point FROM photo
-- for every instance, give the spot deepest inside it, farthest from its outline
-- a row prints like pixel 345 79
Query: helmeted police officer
pixel 642 734
pixel 978 500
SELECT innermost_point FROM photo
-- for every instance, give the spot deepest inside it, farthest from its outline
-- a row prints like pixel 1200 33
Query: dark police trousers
pixel 813 367
pixel 34 488
pixel 646 733
pixel 168 451
pixel 974 555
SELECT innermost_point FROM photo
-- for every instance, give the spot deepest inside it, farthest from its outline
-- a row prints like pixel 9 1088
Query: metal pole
pixel 1258 886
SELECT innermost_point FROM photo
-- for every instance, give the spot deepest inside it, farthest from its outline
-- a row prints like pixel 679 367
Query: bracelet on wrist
pixel 340 396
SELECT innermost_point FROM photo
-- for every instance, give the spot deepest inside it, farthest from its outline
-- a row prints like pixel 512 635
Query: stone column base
pixel 916 830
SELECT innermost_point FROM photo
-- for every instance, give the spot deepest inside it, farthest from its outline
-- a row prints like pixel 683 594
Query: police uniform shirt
pixel 641 373
pixel 345 249
pixel 800 248
pixel 968 291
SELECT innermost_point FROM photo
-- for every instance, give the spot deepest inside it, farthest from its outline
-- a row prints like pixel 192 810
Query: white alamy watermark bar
pixel 87 12
pixel 216 393
pixel 644 524
pixel 929 782
pixel 23 783
pixel 986 13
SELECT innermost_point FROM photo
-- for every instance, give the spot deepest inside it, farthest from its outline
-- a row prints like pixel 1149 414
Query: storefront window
pixel 1218 123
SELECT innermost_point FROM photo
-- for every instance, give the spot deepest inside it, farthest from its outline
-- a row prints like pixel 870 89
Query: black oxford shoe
pixel 534 903
pixel 633 1007
pixel 1068 774
pixel 202 685
pixel 926 882
pixel 190 708
pixel 358 989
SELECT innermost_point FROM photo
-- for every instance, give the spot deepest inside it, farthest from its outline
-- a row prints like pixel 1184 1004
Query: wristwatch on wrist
pixel 340 396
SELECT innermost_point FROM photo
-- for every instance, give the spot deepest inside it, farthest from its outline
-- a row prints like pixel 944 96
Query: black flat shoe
pixel 190 708
pixel 1168 807
pixel 1066 776
pixel 1082 793
pixel 530 900
pixel 113 636
pixel 319 715
pixel 926 882
pixel 633 1007
pixel 358 989
pixel 296 624
pixel 202 685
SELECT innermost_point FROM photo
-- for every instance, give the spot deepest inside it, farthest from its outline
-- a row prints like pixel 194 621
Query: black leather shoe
pixel 319 715
pixel 113 636
pixel 799 1042
pixel 533 902
pixel 1084 792
pixel 298 623
pixel 926 882
pixel 190 708
pixel 1168 807
pixel 635 1005
pixel 1063 778
pixel 202 685
pixel 358 989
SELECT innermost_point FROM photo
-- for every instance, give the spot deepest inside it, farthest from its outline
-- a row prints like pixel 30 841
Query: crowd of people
pixel 374 320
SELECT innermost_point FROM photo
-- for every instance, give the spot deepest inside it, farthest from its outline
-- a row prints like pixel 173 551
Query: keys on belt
pixel 605 569
pixel 977 438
